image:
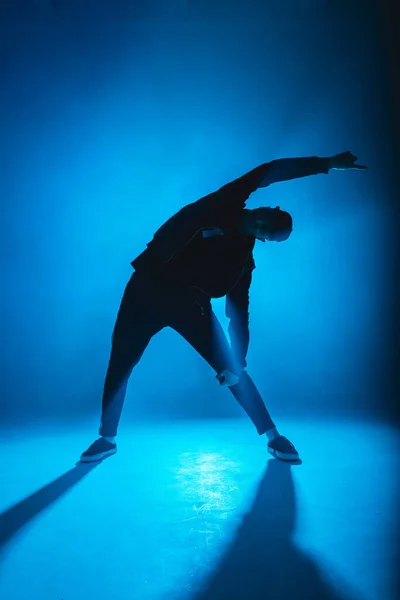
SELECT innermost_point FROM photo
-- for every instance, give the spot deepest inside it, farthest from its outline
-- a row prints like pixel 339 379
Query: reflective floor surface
pixel 200 511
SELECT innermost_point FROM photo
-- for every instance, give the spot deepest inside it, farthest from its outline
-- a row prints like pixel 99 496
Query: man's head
pixel 268 224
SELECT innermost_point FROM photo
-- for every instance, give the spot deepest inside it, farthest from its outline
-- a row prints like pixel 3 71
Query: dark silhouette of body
pixel 204 251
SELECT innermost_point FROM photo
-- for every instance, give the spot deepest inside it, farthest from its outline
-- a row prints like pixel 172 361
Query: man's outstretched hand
pixel 345 161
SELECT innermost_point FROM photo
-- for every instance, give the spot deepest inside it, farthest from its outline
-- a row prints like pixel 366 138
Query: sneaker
pixel 98 450
pixel 282 448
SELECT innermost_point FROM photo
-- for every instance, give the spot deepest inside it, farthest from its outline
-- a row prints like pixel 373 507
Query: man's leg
pixel 137 322
pixel 201 328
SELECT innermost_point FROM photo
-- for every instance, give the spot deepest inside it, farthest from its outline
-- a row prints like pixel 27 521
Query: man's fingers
pixel 350 159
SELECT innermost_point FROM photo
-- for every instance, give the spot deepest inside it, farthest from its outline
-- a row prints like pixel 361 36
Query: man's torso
pixel 213 261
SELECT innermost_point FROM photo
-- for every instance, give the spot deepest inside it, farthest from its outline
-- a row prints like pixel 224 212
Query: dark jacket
pixel 200 246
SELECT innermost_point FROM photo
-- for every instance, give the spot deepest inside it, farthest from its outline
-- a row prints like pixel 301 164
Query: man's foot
pixel 98 450
pixel 282 448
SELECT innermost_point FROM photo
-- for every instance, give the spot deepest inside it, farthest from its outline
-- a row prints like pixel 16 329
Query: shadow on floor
pixel 18 516
pixel 263 562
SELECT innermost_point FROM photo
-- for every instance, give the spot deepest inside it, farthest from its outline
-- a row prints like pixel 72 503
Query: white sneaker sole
pixel 99 456
pixel 282 456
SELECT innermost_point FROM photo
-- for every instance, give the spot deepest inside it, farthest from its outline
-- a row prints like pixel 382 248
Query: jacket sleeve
pixel 282 169
pixel 285 169
pixel 237 310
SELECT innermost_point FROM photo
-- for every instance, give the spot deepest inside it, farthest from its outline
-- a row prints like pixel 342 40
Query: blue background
pixel 114 117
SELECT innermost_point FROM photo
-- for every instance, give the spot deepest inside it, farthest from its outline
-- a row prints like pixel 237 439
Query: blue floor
pixel 199 511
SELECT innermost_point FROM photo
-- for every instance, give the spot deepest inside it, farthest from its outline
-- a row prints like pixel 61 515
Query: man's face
pixel 266 232
pixel 269 224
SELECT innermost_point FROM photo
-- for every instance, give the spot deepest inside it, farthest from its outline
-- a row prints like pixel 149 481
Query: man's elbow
pixel 266 168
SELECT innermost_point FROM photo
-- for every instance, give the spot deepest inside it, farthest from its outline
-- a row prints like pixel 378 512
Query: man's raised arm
pixel 285 169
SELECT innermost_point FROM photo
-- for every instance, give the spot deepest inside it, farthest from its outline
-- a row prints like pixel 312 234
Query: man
pixel 204 251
